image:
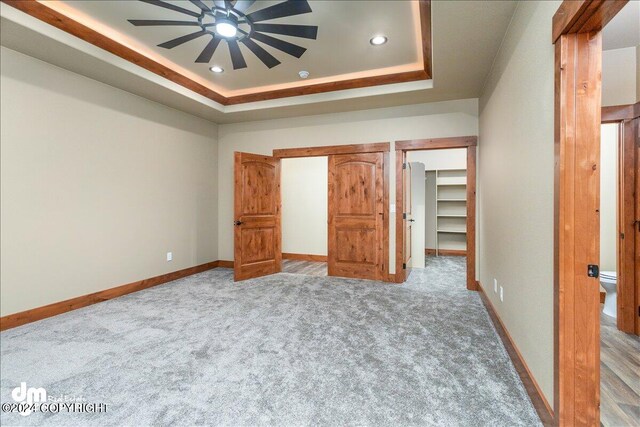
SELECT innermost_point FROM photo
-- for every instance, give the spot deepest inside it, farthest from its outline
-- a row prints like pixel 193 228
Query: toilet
pixel 608 280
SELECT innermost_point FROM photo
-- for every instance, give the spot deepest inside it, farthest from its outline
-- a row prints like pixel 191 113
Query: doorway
pixel 304 215
pixel 577 35
pixel 619 139
pixel 455 209
pixel 357 215
pixel 619 343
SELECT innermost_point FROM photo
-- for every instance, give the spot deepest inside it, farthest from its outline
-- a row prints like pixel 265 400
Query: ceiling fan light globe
pixel 226 29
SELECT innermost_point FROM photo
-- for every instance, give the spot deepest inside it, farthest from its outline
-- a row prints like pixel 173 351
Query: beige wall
pixel 440 159
pixel 608 196
pixel 304 191
pixel 638 73
pixel 441 119
pixel 97 185
pixel 516 169
pixel 619 76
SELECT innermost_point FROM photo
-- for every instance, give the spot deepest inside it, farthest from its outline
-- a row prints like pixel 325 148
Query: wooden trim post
pixel 577 299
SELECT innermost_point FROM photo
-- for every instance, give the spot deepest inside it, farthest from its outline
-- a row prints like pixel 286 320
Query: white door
pixel 418 210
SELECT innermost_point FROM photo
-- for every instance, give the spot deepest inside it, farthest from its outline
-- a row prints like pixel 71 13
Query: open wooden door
pixel 356 215
pixel 418 219
pixel 257 234
pixel 408 217
pixel 635 127
pixel 627 304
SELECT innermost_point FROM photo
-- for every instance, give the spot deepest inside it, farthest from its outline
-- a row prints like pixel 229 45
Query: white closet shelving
pixel 451 209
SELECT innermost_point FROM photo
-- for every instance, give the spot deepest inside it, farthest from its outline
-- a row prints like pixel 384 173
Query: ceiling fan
pixel 227 20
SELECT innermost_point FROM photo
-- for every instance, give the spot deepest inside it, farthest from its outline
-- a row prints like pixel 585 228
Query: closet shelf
pixel 450 210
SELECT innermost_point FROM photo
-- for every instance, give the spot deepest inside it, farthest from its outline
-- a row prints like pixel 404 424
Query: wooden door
pixel 356 191
pixel 635 127
pixel 407 215
pixel 257 234
pixel 627 239
pixel 418 217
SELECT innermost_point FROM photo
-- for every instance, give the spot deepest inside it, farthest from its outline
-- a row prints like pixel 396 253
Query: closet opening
pixel 436 207
pixel 304 193
pixel 335 210
pixel 439 206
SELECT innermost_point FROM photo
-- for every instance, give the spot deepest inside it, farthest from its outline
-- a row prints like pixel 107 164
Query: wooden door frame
pixel 627 118
pixel 376 147
pixel 470 144
pixel 576 33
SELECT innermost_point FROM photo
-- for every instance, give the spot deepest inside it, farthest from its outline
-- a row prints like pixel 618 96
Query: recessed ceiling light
pixel 217 69
pixel 303 74
pixel 378 40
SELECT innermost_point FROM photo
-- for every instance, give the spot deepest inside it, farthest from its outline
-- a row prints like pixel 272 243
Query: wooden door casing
pixel 356 216
pixel 257 216
pixel 577 295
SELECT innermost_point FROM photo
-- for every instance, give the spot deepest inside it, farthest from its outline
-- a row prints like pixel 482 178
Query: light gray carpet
pixel 286 350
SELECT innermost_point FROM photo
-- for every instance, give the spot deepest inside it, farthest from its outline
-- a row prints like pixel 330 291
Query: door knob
pixel 412 220
pixel 237 222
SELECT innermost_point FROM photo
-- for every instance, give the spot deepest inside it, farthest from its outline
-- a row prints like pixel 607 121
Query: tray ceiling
pixel 341 51
pixel 466 36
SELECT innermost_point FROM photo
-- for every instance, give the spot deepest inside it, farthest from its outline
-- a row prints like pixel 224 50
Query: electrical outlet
pixel 501 294
pixel 169 256
pixel 495 285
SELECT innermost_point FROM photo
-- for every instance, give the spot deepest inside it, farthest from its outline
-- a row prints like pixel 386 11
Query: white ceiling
pixel 342 46
pixel 466 37
pixel 624 29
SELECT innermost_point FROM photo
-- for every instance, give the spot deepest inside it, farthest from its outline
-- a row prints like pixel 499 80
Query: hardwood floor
pixel 619 376
pixel 309 268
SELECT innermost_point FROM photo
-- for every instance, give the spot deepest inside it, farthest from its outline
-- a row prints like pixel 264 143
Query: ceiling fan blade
pixel 264 56
pixel 173 7
pixel 200 5
pixel 243 5
pixel 236 55
pixel 176 42
pixel 304 31
pixel 209 49
pixel 220 4
pixel 228 4
pixel 154 22
pixel 286 47
pixel 280 10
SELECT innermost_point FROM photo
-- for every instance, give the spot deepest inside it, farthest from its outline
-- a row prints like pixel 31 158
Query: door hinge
pixel 593 270
pixel 404 166
pixel 404 216
pixel 404 266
